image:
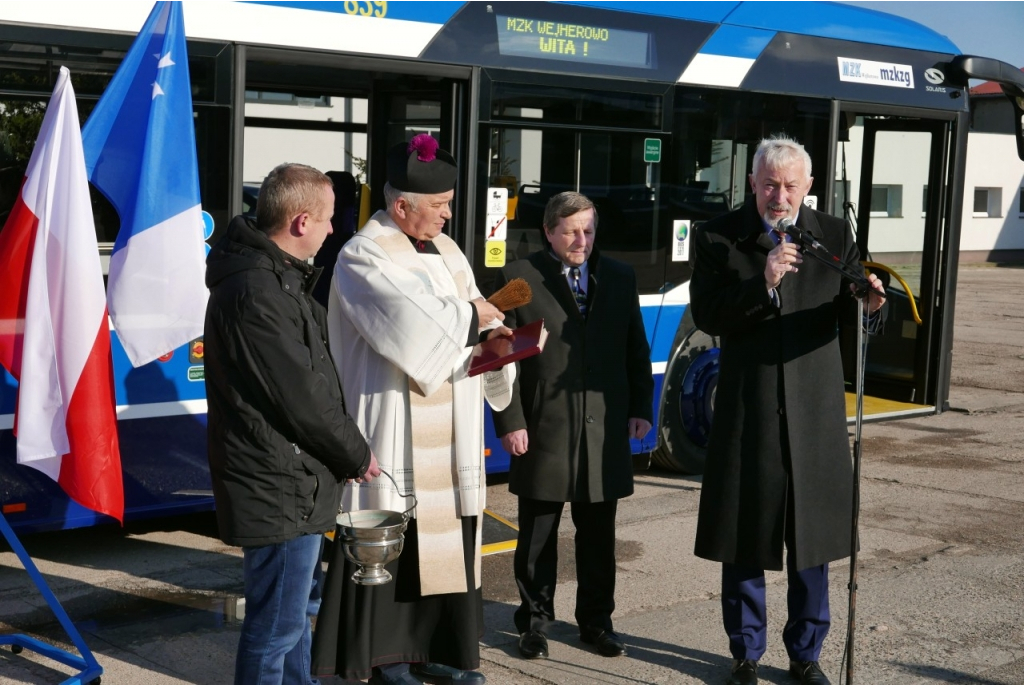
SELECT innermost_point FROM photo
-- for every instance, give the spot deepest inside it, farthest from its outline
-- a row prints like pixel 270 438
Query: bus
pixel 652 109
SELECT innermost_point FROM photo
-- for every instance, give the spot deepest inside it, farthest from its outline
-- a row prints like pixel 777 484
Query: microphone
pixel 821 253
pixel 799 236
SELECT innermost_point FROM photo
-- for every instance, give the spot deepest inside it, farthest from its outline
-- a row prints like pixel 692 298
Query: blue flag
pixel 140 152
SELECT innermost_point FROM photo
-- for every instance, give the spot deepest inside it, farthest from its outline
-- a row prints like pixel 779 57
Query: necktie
pixel 778 236
pixel 578 292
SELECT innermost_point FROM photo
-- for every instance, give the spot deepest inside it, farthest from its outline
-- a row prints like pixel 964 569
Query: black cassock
pixel 360 627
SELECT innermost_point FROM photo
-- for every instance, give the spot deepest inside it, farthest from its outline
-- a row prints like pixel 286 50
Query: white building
pixel 992 229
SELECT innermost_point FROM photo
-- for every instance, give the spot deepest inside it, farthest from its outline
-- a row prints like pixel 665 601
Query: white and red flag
pixel 54 333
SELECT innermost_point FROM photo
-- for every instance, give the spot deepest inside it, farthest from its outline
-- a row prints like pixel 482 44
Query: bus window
pixel 554 139
pixel 543 161
pixel 606 166
pixel 714 136
pixel 27 74
pixel 323 130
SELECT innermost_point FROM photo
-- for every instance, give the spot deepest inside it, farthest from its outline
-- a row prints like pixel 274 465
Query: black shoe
pixel 808 672
pixel 439 674
pixel 393 674
pixel 533 645
pixel 744 672
pixel 607 642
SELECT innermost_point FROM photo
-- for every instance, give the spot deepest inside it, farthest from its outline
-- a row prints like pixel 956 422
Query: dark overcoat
pixel 592 377
pixel 780 409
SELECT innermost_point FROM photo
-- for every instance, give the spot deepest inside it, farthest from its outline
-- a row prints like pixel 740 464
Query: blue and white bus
pixel 653 109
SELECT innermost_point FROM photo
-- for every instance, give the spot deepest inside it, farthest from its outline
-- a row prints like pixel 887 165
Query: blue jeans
pixel 282 591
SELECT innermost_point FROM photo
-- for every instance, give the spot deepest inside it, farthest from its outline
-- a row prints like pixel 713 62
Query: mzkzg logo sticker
pixel 875 73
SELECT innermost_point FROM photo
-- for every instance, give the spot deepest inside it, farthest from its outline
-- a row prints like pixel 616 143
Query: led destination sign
pixel 524 37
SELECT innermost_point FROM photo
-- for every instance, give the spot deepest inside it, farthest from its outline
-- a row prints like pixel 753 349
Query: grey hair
pixel 392 195
pixel 778 152
pixel 564 205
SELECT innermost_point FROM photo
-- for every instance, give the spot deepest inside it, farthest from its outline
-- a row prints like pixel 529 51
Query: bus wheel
pixel 689 405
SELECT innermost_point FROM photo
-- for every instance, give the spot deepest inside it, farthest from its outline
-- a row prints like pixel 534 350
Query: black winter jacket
pixel 279 439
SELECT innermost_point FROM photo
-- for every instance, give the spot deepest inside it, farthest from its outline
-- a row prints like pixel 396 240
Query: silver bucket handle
pixel 407 514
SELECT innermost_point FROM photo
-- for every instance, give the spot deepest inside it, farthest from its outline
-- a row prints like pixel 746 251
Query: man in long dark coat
pixel 574 408
pixel 779 470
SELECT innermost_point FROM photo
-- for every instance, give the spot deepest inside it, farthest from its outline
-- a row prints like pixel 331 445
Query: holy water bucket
pixel 372 538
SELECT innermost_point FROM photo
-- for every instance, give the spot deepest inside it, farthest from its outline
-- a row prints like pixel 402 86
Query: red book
pixel 500 350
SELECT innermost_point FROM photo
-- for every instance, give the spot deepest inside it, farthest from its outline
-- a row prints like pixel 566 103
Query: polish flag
pixel 54 335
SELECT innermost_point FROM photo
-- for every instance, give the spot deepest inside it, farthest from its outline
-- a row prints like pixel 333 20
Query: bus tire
pixel 689 392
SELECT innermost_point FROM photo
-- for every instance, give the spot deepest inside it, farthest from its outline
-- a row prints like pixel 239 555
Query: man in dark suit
pixel 575 406
pixel 778 469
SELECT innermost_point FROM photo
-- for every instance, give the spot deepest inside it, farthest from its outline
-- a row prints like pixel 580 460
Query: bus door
pixel 891 185
pixel 341 113
pixel 538 140
pixel 605 166
pixel 403 106
pixel 541 140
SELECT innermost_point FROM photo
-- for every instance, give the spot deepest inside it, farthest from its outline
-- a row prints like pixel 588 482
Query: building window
pixel 988 202
pixel 981 200
pixel 271 98
pixel 887 201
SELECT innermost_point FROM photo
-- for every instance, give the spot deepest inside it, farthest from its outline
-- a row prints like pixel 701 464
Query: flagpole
pixel 89 669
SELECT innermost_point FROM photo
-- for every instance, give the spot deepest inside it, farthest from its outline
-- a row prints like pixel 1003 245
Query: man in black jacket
pixel 279 439
pixel 574 409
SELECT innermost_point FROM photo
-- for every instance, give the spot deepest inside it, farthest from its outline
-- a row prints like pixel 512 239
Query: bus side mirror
pixel 1018 124
pixel 1010 79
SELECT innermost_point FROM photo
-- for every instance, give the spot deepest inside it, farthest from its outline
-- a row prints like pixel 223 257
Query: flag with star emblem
pixel 140 152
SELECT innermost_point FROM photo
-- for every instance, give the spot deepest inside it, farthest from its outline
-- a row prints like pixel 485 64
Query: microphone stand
pixel 862 352
pixel 862 287
pixel 819 253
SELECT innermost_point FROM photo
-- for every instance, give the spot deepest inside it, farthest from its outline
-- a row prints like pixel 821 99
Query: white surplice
pixel 399 319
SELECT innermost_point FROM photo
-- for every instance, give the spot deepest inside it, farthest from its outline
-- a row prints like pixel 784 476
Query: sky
pixel 987 29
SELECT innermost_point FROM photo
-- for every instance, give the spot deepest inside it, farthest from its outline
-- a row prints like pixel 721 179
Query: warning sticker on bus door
pixel 497 227
pixel 494 254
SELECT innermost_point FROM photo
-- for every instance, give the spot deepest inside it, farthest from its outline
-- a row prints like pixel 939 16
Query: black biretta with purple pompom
pixel 420 166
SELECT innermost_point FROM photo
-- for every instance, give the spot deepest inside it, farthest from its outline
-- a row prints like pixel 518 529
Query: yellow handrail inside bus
pixel 891 272
pixel 364 206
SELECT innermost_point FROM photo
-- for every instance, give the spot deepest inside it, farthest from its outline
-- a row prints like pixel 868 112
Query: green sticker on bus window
pixel 652 150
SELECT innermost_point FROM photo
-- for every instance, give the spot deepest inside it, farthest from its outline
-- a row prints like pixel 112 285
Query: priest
pixel 404 314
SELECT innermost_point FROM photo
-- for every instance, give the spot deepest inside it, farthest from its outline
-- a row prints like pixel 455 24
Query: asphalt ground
pixel 941 566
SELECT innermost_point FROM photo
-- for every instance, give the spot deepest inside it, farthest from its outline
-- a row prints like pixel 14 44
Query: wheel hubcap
pixel 697 396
